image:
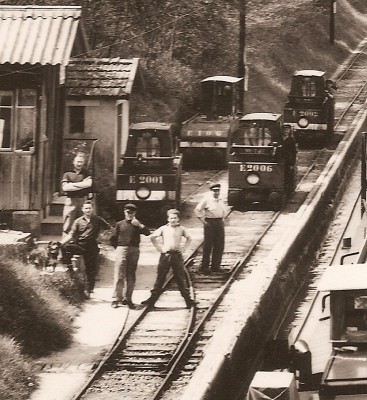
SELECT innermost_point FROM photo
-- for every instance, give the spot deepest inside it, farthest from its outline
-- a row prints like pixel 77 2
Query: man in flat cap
pixel 126 240
pixel 212 211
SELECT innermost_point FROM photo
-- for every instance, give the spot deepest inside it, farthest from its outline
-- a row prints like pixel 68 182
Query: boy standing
pixel 171 256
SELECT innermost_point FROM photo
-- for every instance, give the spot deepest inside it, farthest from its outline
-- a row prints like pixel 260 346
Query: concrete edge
pixel 223 343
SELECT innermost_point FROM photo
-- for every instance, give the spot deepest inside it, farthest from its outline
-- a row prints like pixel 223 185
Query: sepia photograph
pixel 183 210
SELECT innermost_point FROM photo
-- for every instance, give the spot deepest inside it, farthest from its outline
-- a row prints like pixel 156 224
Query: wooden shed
pixel 99 102
pixel 35 46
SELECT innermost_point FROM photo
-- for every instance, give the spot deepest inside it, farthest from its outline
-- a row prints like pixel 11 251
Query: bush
pixel 71 288
pixel 34 314
pixel 17 379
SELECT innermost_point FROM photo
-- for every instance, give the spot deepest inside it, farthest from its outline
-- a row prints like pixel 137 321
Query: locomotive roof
pixel 261 116
pixel 222 78
pixel 309 72
pixel 151 125
pixel 344 277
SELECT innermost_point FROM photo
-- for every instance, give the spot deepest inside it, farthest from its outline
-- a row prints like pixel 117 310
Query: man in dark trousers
pixel 167 240
pixel 82 240
pixel 76 184
pixel 126 240
pixel 212 211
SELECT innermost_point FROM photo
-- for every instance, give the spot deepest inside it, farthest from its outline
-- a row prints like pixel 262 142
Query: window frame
pixel 15 111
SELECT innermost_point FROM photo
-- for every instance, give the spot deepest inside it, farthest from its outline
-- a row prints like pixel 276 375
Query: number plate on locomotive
pixel 145 179
pixel 256 168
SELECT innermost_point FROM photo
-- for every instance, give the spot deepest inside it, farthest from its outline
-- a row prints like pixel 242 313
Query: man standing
pixel 76 184
pixel 211 211
pixel 126 239
pixel 83 234
pixel 171 256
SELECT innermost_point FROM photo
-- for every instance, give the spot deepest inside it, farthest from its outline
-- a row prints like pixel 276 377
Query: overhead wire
pixel 160 26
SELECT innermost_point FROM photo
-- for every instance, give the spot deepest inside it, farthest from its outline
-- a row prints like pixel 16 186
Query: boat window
pixel 356 319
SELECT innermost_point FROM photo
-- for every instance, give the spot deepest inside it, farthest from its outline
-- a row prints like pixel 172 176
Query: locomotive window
pixel 254 135
pixel 148 146
pixel 308 88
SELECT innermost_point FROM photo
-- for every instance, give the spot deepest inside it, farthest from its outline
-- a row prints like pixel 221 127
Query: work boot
pixel 149 302
pixel 190 303
pixel 129 303
pixel 115 304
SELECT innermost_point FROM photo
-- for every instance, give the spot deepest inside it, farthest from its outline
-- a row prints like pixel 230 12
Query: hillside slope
pixel 283 38
pixel 180 43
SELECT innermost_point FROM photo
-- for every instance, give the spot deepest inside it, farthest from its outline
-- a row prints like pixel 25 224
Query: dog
pixel 53 250
pixel 43 258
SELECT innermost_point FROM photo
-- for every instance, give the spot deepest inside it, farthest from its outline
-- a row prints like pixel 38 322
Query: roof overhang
pixel 151 125
pixel 38 35
pixel 222 78
pixel 261 116
pixel 93 77
pixel 309 72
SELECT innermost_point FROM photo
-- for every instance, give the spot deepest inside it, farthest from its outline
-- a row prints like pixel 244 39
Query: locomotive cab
pixel 262 162
pixel 150 171
pixel 205 136
pixel 310 106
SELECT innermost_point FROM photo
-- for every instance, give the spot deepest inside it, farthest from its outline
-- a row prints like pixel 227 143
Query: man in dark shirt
pixel 76 184
pixel 126 239
pixel 82 240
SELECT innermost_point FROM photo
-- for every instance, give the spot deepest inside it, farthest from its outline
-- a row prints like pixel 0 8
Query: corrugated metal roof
pixel 100 76
pixel 37 35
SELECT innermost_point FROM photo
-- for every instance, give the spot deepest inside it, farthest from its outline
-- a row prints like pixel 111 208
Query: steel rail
pixel 236 268
pixel 123 337
pixel 301 287
pixel 351 64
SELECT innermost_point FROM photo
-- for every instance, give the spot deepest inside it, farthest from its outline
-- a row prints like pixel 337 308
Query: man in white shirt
pixel 167 240
pixel 212 211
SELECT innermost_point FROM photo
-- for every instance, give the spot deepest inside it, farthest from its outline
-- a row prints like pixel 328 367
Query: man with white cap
pixel 212 211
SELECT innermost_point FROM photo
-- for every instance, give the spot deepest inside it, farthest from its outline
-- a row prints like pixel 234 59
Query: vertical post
pixel 363 173
pixel 332 20
pixel 242 52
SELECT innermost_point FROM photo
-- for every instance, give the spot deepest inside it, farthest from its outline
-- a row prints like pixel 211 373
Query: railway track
pixel 151 351
pixel 156 357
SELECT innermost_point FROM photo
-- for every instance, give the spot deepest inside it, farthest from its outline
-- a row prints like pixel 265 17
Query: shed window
pixel 17 119
pixel 76 119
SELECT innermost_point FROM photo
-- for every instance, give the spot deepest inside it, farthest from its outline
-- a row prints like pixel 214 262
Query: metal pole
pixel 242 53
pixel 332 20
pixel 363 173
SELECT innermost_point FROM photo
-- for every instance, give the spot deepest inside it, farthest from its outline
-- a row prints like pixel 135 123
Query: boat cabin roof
pixel 272 379
pixel 344 277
